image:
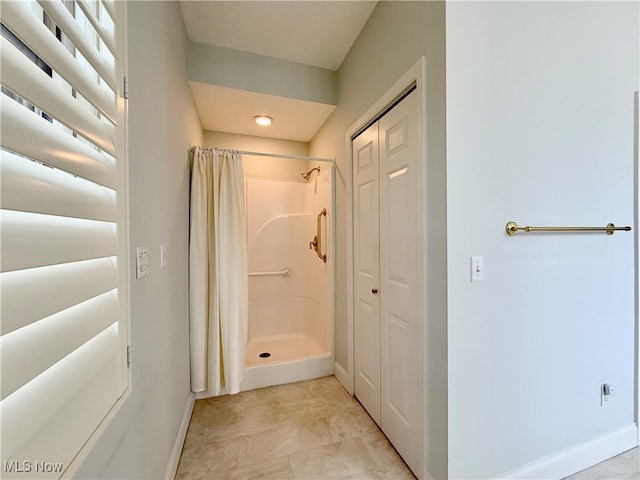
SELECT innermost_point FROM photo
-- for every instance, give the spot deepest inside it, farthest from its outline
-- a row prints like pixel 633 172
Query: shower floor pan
pixel 281 348
pixel 292 358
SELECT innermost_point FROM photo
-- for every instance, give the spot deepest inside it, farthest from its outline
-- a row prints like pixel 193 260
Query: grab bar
pixel 512 228
pixel 285 272
pixel 316 243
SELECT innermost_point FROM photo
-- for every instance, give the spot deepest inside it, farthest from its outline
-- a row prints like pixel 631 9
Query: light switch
pixel 477 269
pixel 142 262
pixel 163 255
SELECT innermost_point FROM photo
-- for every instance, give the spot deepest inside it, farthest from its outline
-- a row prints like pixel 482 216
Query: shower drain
pixel 264 355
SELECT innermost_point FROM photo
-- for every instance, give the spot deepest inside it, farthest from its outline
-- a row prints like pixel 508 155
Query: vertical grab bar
pixel 316 243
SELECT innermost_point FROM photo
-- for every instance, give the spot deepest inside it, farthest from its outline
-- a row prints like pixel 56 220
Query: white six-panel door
pixel 366 270
pixel 386 255
pixel 399 307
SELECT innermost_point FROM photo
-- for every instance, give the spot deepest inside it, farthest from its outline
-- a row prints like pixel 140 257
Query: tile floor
pixel 625 466
pixel 307 430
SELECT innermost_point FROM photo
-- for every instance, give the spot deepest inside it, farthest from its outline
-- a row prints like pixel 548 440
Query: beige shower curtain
pixel 218 276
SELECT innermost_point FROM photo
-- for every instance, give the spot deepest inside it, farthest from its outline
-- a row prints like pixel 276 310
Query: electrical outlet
pixel 606 390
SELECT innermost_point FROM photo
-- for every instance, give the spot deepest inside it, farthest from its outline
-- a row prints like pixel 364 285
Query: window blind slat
pixel 23 77
pixel 19 18
pixel 84 411
pixel 64 261
pixel 71 327
pixel 28 186
pixel 105 35
pixel 59 14
pixel 31 240
pixel 32 187
pixel 30 295
pixel 32 136
pixel 109 6
pixel 28 409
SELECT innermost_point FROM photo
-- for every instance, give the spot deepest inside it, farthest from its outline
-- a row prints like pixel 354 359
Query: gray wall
pixel 539 116
pixel 162 122
pixel 396 35
pixel 540 131
pixel 262 167
pixel 259 73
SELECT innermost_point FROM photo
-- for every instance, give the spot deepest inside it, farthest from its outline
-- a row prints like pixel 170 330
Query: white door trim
pixel 416 74
pixel 636 227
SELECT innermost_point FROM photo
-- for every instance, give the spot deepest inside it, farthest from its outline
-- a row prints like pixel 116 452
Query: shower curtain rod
pixel 280 155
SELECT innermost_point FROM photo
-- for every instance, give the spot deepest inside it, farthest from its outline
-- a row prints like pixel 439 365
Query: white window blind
pixel 63 280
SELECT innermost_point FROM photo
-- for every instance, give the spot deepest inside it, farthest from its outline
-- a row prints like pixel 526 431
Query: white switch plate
pixel 477 269
pixel 142 262
pixel 163 255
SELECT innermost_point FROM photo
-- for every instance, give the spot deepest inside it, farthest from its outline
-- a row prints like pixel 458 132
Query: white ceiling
pixel 318 33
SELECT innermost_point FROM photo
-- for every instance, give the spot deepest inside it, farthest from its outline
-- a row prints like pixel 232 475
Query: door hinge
pixel 125 89
pixel 128 356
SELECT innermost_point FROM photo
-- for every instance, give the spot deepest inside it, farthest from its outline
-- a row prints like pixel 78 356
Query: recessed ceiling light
pixel 263 120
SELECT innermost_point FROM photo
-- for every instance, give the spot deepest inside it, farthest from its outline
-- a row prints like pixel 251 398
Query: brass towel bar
pixel 512 228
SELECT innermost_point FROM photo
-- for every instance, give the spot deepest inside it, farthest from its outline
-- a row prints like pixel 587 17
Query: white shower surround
pixel 290 317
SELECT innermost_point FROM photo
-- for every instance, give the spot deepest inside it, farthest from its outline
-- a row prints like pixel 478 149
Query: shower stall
pixel 290 258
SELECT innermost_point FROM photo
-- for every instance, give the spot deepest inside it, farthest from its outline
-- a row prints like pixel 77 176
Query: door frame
pixel 415 75
pixel 636 221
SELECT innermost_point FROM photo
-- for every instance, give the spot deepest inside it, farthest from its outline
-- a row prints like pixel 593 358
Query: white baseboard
pixel 174 459
pixel 343 377
pixel 574 459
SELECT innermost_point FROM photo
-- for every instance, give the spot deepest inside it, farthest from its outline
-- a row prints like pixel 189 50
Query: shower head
pixel 307 175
